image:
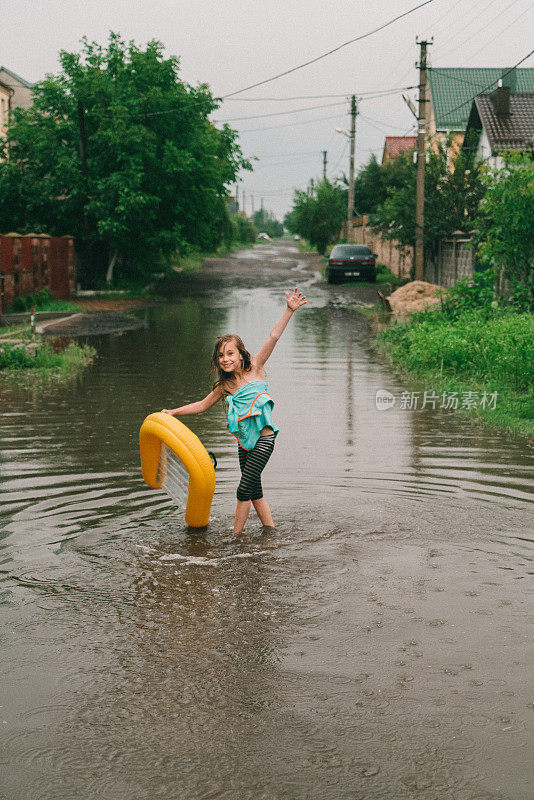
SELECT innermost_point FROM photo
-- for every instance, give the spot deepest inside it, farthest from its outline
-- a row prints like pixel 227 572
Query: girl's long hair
pixel 223 376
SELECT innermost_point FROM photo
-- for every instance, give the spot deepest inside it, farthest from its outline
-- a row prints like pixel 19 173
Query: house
pixel 451 91
pixel 498 122
pixel 22 90
pixel 395 145
pixel 6 93
pixel 15 92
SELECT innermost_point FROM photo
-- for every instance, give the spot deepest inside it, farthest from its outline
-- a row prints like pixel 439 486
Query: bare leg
pixel 264 512
pixel 241 513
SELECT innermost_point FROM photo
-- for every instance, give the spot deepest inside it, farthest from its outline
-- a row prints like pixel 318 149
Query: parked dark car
pixel 351 261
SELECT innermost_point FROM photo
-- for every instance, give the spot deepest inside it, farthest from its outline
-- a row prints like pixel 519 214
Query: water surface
pixel 377 644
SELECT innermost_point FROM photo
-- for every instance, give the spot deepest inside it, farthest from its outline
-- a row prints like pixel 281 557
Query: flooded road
pixel 377 644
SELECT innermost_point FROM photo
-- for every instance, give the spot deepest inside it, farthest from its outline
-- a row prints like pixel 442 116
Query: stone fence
pixel 455 260
pixel 33 262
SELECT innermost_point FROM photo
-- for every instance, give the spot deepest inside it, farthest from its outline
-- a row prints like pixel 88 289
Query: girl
pixel 242 382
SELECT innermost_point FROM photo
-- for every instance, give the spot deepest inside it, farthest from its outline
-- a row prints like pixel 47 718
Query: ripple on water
pixel 145 657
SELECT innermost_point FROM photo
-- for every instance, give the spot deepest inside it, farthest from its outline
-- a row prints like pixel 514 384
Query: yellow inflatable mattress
pixel 174 459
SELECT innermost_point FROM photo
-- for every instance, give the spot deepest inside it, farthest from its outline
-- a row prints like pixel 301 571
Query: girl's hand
pixel 296 300
pixel 166 411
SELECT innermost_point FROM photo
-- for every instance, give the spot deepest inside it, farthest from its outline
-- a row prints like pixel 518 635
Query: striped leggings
pixel 252 463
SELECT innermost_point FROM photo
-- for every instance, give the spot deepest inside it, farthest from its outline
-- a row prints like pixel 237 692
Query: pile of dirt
pixel 414 296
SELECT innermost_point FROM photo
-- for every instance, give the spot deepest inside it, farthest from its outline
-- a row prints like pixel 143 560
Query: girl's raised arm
pixel 296 300
pixel 199 406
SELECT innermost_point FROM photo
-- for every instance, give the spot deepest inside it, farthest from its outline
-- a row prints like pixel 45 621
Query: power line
pixel 489 86
pixel 447 28
pixel 318 96
pixel 342 154
pixel 289 124
pixel 479 31
pixel 329 53
pixel 272 191
pixel 289 155
pixel 409 50
pixel 279 113
pixel 144 114
pixel 466 20
pixel 309 108
pixel 503 30
pixel 370 121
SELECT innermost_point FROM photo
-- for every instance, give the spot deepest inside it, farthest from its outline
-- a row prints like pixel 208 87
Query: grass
pixel 72 358
pixel 478 351
pixel 305 247
pixel 15 333
pixel 385 276
pixel 41 301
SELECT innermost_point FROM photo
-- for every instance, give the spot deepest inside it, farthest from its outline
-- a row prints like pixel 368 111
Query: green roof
pixel 453 89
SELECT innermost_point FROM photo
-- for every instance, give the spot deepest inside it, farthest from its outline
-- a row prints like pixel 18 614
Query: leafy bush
pixel 265 221
pixel 504 229
pixel 494 348
pixel 318 217
pixel 476 292
pixel 18 358
pixel 386 276
pixel 243 230
pixel 42 301
pixel 38 299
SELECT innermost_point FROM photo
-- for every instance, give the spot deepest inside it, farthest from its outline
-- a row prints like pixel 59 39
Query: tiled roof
pixel 395 145
pixel 453 89
pixel 513 131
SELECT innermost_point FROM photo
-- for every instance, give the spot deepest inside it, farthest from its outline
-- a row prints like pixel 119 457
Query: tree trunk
pixel 112 262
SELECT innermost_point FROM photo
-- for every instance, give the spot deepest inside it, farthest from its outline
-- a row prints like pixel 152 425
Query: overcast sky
pixel 234 44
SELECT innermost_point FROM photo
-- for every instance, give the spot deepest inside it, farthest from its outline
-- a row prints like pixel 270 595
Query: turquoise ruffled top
pixel 250 410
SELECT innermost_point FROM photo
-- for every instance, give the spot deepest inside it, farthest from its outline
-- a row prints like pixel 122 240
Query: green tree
pixel 505 229
pixel 375 181
pixel 452 196
pixel 154 173
pixel 318 217
pixel 243 230
pixel 266 222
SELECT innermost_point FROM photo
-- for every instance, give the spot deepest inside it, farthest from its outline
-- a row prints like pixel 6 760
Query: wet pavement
pixel 377 644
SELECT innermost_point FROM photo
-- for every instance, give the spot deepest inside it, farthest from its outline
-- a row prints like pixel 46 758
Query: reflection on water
pixel 343 655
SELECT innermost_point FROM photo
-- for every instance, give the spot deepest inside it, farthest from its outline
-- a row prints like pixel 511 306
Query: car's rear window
pixel 346 250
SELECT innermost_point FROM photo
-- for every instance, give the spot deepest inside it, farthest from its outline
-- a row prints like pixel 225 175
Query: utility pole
pixel 324 165
pixel 350 207
pixel 252 203
pixel 244 206
pixel 421 163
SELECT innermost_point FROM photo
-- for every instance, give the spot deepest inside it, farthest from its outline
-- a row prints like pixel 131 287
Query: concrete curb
pixel 40 328
pixel 24 316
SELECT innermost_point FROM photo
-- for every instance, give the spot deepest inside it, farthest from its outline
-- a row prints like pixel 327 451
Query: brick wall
pixel 33 262
pixel 397 257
